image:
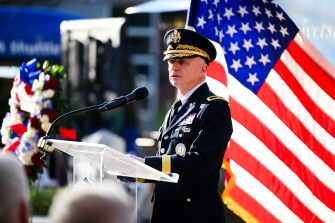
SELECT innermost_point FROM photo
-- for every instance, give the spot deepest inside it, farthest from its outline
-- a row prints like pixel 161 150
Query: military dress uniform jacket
pixel 195 142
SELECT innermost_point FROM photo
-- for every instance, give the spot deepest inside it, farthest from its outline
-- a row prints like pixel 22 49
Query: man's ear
pixel 204 68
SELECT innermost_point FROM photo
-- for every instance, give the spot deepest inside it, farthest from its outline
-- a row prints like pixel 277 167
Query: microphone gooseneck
pixel 42 142
pixel 137 94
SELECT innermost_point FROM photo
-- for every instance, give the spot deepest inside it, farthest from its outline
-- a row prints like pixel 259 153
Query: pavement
pixel 39 219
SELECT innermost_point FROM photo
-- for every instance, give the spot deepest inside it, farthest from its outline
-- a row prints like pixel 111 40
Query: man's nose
pixel 175 65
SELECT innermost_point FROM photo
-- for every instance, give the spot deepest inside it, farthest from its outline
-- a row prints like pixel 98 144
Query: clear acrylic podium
pixel 92 162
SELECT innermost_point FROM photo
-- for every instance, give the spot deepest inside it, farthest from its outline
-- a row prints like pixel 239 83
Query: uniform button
pixel 180 135
pixel 162 150
pixel 188 199
pixel 166 137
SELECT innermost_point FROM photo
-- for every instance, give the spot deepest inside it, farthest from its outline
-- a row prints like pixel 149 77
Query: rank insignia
pixel 175 36
pixel 187 130
pixel 181 149
pixel 188 120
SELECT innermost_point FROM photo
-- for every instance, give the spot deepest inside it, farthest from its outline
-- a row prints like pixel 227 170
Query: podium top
pixel 112 161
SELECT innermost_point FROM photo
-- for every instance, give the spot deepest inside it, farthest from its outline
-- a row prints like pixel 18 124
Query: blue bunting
pixel 28 72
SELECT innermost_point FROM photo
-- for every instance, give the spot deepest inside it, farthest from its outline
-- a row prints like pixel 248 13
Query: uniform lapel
pixel 166 120
pixel 186 108
pixel 181 114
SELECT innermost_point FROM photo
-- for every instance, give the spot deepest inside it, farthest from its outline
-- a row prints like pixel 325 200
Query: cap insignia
pixel 175 36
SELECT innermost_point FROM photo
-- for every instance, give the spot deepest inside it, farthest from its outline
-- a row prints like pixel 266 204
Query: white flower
pixel 15 115
pixel 25 158
pixel 37 104
pixel 45 123
pixel 36 108
pixel 45 126
pixel 37 85
pixel 43 77
pixel 31 131
pixel 48 93
pixel 27 147
pixel 47 104
pixel 13 100
pixel 5 135
pixel 44 118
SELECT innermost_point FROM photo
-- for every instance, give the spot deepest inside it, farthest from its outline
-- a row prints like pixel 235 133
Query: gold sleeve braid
pixel 140 180
pixel 166 164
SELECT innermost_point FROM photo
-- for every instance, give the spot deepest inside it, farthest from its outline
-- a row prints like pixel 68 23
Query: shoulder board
pixel 212 98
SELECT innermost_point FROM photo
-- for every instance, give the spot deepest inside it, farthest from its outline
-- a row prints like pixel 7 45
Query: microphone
pixel 135 95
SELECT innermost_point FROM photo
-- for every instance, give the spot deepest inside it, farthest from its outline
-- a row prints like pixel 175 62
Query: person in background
pixel 14 203
pixel 90 204
pixel 193 136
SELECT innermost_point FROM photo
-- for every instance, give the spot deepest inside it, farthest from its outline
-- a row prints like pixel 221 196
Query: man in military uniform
pixel 193 137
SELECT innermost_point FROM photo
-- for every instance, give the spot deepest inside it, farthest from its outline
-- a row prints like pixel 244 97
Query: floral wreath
pixel 34 104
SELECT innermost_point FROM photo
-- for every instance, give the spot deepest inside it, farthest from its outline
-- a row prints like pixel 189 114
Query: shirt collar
pixel 188 94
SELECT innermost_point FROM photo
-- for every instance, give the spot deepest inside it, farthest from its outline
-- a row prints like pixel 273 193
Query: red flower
pixel 40 132
pixel 51 113
pixel 53 84
pixel 35 122
pixel 36 159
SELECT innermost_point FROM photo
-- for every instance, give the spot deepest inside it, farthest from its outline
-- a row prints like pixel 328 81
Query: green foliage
pixel 41 199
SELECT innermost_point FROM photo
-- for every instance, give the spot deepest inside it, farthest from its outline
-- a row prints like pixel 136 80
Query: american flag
pixel 280 162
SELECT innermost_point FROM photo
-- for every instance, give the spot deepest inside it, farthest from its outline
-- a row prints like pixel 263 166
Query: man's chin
pixel 175 83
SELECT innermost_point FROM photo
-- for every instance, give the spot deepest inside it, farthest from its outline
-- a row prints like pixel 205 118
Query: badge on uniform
pixel 188 120
pixel 181 149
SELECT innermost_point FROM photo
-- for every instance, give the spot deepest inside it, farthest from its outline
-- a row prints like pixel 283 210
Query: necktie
pixel 174 109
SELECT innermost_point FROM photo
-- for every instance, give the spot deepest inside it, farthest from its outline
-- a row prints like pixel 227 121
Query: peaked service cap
pixel 184 43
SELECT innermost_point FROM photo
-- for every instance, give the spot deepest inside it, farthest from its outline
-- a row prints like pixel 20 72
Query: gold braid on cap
pixel 185 50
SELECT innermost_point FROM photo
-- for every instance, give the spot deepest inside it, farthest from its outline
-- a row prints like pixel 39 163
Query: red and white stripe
pixel 282 151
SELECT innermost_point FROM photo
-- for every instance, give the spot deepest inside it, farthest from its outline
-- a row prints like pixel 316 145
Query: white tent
pixel 158 6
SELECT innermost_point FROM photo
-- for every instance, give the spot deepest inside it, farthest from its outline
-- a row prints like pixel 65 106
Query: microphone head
pixel 140 93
